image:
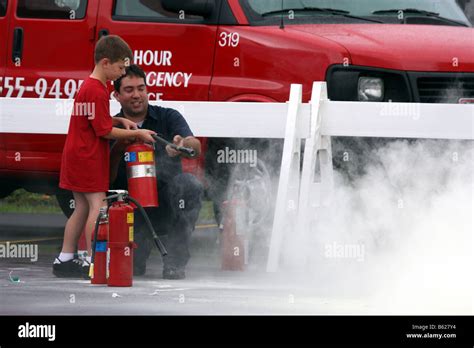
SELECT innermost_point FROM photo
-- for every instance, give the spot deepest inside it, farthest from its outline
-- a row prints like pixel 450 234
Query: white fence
pixel 299 194
pixel 242 120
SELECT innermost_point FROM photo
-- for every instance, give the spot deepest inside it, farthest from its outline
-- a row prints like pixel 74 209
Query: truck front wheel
pixel 7 190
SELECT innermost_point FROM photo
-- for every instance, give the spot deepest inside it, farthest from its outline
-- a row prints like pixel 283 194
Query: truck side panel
pixel 258 61
pixel 176 51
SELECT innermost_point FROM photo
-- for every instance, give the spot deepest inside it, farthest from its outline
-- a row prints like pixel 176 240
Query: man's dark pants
pixel 179 206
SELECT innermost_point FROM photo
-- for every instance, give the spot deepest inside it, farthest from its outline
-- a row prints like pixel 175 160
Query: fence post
pixel 288 187
pixel 316 179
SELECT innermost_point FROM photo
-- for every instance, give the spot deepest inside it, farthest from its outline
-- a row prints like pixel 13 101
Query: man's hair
pixel 132 70
pixel 112 47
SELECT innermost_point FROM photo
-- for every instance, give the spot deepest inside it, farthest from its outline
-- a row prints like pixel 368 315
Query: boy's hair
pixel 112 47
pixel 132 70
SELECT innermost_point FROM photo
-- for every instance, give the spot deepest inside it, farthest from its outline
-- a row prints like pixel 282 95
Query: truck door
pixel 176 50
pixel 3 55
pixel 50 48
pixel 3 39
pixel 49 53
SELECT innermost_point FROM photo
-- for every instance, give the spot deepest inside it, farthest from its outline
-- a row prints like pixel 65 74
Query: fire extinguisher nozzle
pixel 186 150
pixel 161 247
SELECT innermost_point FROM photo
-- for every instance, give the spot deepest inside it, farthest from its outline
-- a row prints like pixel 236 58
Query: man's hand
pixel 178 140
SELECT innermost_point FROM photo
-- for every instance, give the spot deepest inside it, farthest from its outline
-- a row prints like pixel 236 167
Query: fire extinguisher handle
pixel 120 194
pixel 156 239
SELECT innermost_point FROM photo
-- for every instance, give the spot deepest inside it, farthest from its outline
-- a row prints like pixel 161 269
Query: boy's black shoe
pixel 67 269
pixel 173 273
pixel 85 270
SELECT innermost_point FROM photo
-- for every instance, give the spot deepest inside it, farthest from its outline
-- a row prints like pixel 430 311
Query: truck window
pixel 52 9
pixel 149 11
pixel 268 10
pixel 3 8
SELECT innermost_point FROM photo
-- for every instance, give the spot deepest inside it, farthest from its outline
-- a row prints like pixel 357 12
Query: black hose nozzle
pixel 186 150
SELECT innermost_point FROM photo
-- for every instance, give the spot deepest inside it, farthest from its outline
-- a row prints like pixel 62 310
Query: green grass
pixel 207 212
pixel 22 201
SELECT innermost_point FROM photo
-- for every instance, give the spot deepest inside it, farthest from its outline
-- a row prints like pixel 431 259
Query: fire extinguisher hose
pixel 96 232
pixel 156 239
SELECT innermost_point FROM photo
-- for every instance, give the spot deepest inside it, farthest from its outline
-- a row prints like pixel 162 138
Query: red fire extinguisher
pixel 119 270
pixel 120 244
pixel 99 243
pixel 141 173
pixel 234 246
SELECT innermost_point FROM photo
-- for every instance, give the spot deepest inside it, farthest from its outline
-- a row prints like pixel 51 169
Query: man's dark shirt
pixel 167 123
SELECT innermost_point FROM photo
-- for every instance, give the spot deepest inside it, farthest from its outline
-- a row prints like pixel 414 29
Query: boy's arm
pixel 123 123
pixel 130 134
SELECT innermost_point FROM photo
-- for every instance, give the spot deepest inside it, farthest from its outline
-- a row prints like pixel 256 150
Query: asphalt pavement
pixel 14 225
pixel 28 287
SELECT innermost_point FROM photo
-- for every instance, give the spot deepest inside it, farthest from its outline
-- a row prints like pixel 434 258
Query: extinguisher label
pixel 129 218
pixel 145 156
pixel 101 247
pixel 107 264
pixel 130 233
pixel 130 156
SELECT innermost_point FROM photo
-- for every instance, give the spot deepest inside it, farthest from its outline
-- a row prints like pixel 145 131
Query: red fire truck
pixel 228 50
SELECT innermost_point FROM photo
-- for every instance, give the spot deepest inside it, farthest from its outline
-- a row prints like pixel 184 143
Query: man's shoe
pixel 173 273
pixel 139 270
pixel 67 269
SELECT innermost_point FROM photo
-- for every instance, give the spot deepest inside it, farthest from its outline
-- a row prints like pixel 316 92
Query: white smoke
pixel 402 233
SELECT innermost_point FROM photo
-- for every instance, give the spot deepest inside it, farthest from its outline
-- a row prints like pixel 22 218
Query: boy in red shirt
pixel 85 158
